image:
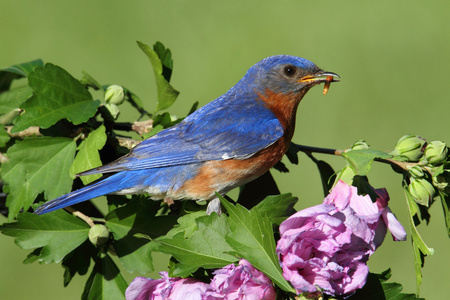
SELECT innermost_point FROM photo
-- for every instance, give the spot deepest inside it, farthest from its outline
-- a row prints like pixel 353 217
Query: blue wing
pixel 235 129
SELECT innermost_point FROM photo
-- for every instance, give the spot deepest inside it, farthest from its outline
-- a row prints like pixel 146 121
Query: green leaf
pixel 205 247
pixel 376 288
pixel 78 261
pixel 255 191
pixel 292 153
pixel 4 137
pixel 125 223
pixel 420 249
pixel 105 281
pixel 445 201
pixel 88 157
pixel 361 160
pixel 166 93
pixel 135 101
pixel 251 236
pixel 277 208
pixel 57 232
pixel 37 165
pixel 57 95
pixel 11 100
pixel 90 81
pixel 166 59
pixel 7 75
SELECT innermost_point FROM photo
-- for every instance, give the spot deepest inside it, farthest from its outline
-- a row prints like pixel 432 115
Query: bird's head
pixel 284 74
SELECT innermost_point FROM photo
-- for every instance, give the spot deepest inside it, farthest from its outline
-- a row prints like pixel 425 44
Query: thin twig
pixel 308 150
pixel 80 215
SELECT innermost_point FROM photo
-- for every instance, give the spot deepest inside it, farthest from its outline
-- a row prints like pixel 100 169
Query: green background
pixel 393 57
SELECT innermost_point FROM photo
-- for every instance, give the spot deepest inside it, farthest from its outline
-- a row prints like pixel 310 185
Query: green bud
pixel 360 145
pixel 421 190
pixel 416 172
pixel 440 177
pixel 113 110
pixel 114 94
pixel 98 234
pixel 409 148
pixel 435 153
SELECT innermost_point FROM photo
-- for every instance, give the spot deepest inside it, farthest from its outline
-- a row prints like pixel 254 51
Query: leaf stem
pixel 80 215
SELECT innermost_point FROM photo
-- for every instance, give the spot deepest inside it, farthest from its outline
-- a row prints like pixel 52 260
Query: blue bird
pixel 226 143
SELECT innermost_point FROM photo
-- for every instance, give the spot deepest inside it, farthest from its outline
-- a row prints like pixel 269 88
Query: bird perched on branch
pixel 225 144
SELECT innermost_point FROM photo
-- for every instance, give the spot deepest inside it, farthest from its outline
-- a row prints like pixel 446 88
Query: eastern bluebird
pixel 225 144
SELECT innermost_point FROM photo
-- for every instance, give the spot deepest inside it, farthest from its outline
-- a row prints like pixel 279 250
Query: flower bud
pixel 435 153
pixel 409 148
pixel 98 234
pixel 416 172
pixel 360 145
pixel 440 181
pixel 114 94
pixel 421 190
pixel 440 178
pixel 113 110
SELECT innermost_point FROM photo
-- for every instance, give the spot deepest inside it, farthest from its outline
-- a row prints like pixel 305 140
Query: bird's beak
pixel 319 77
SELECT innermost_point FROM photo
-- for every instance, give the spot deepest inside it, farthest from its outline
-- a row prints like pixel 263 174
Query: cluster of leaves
pixel 53 128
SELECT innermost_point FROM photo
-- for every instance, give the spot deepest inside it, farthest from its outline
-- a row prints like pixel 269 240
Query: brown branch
pixel 31 131
pixel 127 142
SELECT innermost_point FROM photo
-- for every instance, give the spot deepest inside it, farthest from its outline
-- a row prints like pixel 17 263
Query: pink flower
pixel 326 247
pixel 142 288
pixel 240 282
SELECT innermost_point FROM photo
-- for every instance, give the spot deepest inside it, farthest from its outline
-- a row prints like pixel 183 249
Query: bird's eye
pixel 290 70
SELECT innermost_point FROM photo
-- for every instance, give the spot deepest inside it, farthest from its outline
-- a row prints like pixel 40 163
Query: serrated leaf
pixel 37 165
pixel 277 208
pixel 88 156
pixel 251 236
pixel 57 95
pixel 206 246
pixel 138 216
pixel 166 59
pixel 166 93
pixel 376 288
pixel 58 233
pixel 7 75
pixel 361 160
pixel 105 281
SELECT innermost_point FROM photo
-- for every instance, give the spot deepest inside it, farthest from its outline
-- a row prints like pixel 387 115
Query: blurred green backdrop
pixel 392 56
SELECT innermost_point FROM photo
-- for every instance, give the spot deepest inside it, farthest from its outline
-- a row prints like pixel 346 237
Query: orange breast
pixel 224 175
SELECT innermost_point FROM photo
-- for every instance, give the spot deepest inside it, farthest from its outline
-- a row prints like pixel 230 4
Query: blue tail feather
pixel 100 188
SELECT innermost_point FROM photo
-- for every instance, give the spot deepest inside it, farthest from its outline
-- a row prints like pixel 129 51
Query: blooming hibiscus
pixel 326 247
pixel 166 288
pixel 240 282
